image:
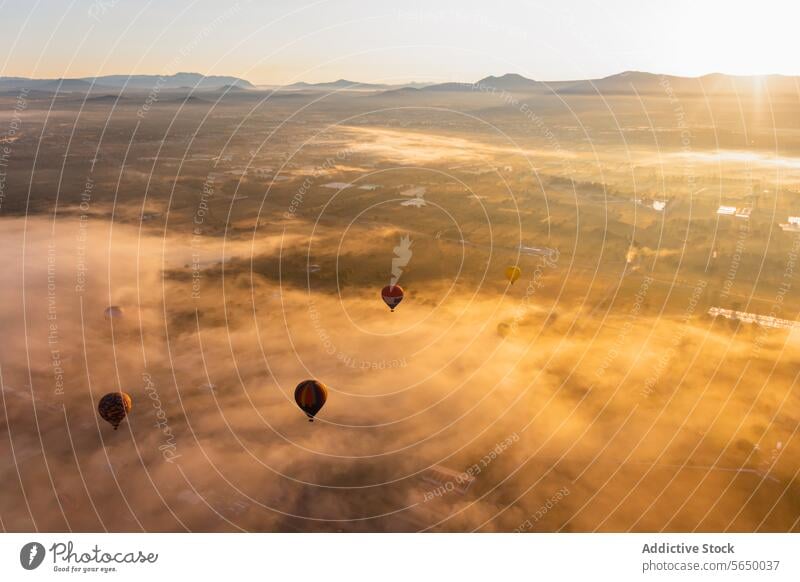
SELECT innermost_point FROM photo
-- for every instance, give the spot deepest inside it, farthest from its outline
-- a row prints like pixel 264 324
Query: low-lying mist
pixel 476 405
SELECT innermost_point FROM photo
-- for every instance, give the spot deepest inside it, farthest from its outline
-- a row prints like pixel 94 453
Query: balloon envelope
pixel 513 273
pixel 310 396
pixel 113 312
pixel 504 329
pixel 392 295
pixel 114 407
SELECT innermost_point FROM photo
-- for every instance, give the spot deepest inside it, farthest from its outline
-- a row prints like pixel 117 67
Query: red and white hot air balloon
pixel 392 295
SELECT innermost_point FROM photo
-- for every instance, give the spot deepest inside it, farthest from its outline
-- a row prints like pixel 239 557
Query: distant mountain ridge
pixel 625 83
pixel 338 84
pixel 510 82
pixel 630 82
pixel 346 85
pixel 127 82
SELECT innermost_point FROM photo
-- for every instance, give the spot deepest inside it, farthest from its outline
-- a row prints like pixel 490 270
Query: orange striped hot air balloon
pixel 114 407
pixel 310 396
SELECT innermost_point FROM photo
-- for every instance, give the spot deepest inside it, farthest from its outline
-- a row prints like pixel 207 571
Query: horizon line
pixel 400 82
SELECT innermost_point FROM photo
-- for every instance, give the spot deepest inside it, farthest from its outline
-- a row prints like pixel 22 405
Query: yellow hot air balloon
pixel 504 329
pixel 513 273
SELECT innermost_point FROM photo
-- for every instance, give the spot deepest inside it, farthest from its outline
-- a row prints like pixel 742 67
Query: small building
pixel 762 320
pixel 417 192
pixel 726 210
pixel 417 202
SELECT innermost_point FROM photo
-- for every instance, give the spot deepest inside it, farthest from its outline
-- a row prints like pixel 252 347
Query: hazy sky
pixel 280 41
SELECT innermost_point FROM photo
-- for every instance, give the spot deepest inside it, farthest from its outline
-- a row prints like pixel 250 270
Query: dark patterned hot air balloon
pixel 310 396
pixel 114 407
pixel 113 312
pixel 392 295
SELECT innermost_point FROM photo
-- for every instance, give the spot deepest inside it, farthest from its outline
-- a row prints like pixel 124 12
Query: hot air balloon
pixel 504 329
pixel 392 295
pixel 113 312
pixel 513 273
pixel 310 396
pixel 114 407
